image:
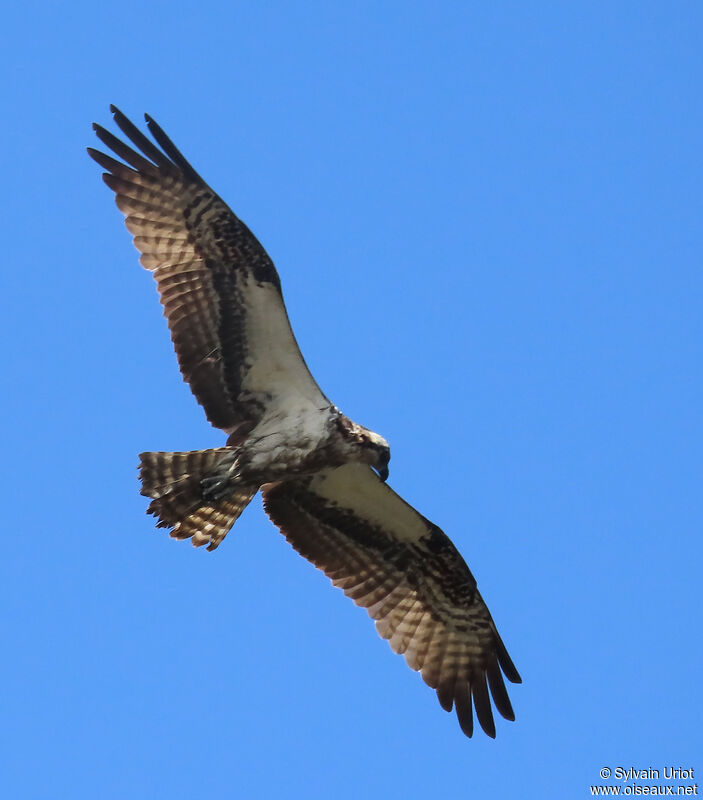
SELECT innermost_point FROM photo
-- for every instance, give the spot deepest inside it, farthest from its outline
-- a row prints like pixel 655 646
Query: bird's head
pixel 376 451
pixel 366 446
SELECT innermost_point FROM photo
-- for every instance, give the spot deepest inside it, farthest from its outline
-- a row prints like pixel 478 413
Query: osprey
pixel 321 475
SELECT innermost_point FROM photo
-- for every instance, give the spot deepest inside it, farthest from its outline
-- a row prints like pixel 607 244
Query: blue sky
pixel 486 217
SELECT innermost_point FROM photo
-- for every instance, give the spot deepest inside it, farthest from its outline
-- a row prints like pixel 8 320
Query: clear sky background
pixel 487 221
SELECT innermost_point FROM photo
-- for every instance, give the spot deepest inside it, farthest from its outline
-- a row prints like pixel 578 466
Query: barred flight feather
pixel 418 588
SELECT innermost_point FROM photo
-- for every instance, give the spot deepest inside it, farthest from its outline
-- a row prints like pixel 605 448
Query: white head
pixel 367 446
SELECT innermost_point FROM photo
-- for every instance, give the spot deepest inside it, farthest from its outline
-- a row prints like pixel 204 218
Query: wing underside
pixel 409 576
pixel 219 289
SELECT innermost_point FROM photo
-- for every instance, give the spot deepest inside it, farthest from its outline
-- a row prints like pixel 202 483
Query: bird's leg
pixel 215 488
pixel 218 485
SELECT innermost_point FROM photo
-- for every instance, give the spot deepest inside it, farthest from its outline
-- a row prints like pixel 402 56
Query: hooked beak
pixel 383 473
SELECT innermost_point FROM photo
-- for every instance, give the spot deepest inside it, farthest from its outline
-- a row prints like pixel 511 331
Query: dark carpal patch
pixel 433 558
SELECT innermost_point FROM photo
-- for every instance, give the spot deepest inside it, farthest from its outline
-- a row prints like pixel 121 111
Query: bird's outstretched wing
pixel 408 575
pixel 220 291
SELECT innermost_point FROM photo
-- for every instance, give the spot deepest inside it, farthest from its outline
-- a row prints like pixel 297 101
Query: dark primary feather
pixel 170 149
pixel 208 267
pixel 409 576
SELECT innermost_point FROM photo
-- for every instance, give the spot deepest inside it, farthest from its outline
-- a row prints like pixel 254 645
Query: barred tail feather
pixel 174 482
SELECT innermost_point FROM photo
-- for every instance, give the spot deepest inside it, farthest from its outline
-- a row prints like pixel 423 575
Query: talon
pixel 213 488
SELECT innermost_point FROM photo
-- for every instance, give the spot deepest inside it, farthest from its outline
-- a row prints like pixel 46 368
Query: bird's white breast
pixel 289 433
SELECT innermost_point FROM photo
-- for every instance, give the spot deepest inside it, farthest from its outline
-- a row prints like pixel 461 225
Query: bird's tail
pixel 191 493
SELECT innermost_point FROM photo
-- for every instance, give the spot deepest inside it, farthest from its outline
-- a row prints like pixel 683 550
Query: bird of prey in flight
pixel 321 475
